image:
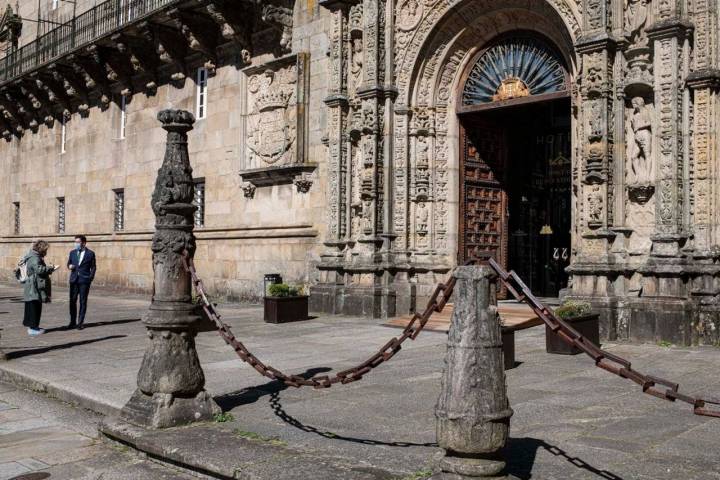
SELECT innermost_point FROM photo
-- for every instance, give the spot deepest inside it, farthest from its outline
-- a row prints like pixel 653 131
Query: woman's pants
pixel 33 310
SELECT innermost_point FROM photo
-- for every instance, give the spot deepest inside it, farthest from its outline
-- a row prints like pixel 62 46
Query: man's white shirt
pixel 82 255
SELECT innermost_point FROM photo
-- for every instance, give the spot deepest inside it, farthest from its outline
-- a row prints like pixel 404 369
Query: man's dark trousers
pixel 81 277
pixel 78 291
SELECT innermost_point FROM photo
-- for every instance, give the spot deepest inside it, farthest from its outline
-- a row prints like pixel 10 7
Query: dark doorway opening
pixel 516 190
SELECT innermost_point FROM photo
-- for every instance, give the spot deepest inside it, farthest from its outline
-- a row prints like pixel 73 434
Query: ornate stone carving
pixel 303 182
pixel 422 225
pixel 281 17
pixel 595 207
pixel 594 78
pixel 271 130
pixel 276 121
pixel 170 381
pixel 639 140
pixel 248 189
pixel 409 14
pixel 636 16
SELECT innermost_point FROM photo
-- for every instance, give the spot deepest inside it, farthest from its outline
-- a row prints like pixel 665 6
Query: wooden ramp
pixel 514 316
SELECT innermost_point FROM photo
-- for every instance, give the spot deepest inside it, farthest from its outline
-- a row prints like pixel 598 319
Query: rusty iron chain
pixel 437 302
pixel 651 385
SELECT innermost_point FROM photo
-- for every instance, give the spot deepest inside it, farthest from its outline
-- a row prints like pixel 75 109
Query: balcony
pixel 99 21
pixel 120 47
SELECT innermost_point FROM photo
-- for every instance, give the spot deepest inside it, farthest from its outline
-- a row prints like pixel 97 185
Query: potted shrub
pixel 580 316
pixel 285 304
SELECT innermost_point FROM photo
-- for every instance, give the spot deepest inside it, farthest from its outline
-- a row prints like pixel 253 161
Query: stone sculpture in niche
pixel 636 16
pixel 595 207
pixel 641 168
pixel 357 61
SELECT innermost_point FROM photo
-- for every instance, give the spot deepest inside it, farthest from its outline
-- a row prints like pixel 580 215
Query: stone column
pixel 473 412
pixel 171 383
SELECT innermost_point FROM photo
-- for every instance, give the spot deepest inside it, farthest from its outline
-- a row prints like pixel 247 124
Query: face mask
pixel 78 246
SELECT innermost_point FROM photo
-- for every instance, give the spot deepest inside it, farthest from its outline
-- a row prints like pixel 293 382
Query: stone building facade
pixel 365 147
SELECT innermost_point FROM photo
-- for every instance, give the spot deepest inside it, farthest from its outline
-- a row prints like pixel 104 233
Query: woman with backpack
pixel 37 285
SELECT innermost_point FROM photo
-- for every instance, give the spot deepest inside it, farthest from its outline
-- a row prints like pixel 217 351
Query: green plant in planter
pixel 572 309
pixel 283 290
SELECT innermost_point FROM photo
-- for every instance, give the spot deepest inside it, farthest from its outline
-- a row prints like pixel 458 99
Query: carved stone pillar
pixel 354 279
pixel 597 138
pixel 171 383
pixel 669 36
pixel 473 412
pixel 704 82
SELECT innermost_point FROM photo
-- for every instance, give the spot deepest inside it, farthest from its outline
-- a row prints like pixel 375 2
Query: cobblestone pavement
pixel 572 420
pixel 38 434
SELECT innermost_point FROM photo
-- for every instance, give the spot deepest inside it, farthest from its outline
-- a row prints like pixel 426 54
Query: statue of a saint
pixel 358 58
pixel 636 16
pixel 639 144
pixel 423 217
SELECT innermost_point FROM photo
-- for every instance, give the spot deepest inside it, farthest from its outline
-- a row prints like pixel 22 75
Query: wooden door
pixel 483 197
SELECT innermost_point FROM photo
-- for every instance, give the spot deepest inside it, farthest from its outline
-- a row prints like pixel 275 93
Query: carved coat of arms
pixel 272 130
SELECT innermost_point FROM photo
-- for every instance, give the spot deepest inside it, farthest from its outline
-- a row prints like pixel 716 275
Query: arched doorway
pixel 513 108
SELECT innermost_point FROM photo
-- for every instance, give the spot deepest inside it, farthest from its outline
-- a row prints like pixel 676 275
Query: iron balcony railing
pixel 80 31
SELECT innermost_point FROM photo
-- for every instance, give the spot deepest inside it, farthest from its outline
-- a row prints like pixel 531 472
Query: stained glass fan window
pixel 512 68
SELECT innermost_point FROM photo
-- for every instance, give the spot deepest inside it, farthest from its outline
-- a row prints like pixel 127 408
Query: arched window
pixel 515 66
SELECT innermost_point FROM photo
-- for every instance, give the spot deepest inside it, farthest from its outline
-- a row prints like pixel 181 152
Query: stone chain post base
pixel 473 412
pixel 171 382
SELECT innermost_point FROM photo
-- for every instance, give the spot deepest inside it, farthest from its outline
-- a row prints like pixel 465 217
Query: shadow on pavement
pixel 252 394
pixel 287 418
pixel 10 354
pixel 521 453
pixel 95 324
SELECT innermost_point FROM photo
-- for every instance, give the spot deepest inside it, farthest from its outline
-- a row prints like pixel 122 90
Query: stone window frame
pixel 119 210
pixel 199 200
pixel 61 214
pixel 63 136
pixel 122 126
pixel 201 93
pixel 16 213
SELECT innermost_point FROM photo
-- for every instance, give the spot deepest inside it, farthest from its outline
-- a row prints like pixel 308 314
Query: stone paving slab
pixel 572 420
pixel 41 435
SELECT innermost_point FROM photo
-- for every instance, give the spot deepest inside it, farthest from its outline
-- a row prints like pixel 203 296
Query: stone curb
pixel 119 432
pixel 62 393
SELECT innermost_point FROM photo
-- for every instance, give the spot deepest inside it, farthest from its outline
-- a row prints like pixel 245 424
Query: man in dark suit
pixel 81 263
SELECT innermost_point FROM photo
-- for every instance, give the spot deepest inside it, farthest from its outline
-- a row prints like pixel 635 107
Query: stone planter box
pixel 587 325
pixel 286 309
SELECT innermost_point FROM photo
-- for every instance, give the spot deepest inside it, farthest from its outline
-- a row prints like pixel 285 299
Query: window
pixel 123 116
pixel 119 214
pixel 55 4
pixel 201 106
pixel 63 135
pixel 199 202
pixel 16 229
pixel 61 215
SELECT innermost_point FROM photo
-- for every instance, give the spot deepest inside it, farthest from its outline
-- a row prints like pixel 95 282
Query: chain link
pixel 654 386
pixel 437 302
pixel 651 385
